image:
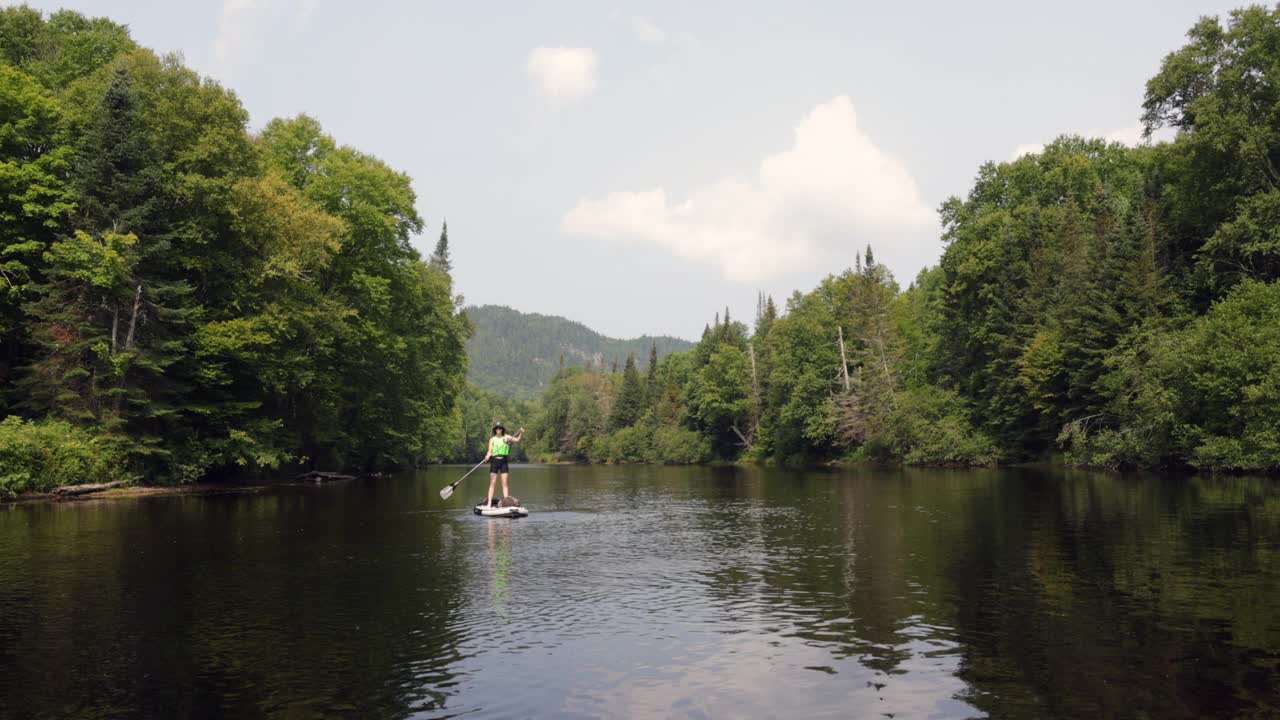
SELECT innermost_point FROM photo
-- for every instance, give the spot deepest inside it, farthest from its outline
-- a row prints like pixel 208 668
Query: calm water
pixel 652 592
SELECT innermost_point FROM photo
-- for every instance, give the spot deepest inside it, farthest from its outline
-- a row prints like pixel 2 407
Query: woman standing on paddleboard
pixel 499 449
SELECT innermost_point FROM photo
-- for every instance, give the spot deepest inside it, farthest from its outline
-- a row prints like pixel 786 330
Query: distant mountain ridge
pixel 515 354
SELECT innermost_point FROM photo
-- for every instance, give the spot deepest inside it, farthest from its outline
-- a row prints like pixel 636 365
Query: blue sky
pixel 639 166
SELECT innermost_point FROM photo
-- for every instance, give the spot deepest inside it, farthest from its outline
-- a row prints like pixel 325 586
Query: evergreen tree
pixel 440 257
pixel 651 382
pixel 765 316
pixel 89 314
pixel 628 403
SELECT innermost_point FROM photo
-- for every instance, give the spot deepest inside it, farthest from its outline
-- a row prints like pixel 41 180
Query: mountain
pixel 516 354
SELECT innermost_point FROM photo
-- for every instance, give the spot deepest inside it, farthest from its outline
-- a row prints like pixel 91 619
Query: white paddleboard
pixel 513 512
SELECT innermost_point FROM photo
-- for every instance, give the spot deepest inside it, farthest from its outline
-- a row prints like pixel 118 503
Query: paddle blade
pixel 446 492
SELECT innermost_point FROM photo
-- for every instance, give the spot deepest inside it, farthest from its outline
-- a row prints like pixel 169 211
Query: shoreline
pixel 211 487
pixel 136 491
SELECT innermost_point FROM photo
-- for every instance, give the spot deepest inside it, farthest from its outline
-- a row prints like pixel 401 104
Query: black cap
pixel 497 426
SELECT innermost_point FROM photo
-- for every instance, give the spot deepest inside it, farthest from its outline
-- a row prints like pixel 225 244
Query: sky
pixel 641 166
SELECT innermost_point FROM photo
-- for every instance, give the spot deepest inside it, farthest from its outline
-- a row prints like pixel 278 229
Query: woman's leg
pixel 504 486
pixel 493 478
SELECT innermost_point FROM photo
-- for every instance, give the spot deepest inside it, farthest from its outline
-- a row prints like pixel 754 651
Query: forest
pixel 516 354
pixel 1095 304
pixel 184 299
pixel 181 298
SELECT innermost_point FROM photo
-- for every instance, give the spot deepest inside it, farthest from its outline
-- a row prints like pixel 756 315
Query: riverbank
pixel 80 493
pixel 135 491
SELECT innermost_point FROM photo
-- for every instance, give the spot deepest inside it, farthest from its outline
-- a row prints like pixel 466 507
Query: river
pixel 652 592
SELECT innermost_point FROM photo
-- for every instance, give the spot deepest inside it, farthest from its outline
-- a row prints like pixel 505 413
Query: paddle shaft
pixel 449 490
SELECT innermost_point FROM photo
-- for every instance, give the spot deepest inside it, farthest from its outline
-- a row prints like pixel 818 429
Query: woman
pixel 499 448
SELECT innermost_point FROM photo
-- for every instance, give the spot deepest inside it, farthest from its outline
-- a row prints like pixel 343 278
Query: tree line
pixel 1101 304
pixel 180 297
pixel 515 354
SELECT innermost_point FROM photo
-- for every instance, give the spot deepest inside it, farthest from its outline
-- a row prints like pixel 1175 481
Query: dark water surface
pixel 653 592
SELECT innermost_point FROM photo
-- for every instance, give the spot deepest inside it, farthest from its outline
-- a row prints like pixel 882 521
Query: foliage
pixel 202 300
pixel 211 301
pixel 518 354
pixel 1205 395
pixel 629 404
pixel 930 426
pixel 778 393
pixel 477 410
pixel 39 456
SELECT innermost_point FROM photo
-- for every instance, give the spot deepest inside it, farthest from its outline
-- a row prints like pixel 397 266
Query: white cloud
pixel 1130 135
pixel 832 192
pixel 563 74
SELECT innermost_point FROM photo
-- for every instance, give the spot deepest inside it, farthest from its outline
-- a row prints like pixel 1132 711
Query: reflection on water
pixel 632 592
pixel 499 557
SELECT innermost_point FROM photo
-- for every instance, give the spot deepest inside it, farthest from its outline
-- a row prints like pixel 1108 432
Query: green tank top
pixel 499 446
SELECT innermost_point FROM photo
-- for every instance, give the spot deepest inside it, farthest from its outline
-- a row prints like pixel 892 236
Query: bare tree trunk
pixel 755 381
pixel 755 391
pixel 844 362
pixel 128 343
pixel 115 325
pixel 133 319
pixel 884 364
pixel 74 490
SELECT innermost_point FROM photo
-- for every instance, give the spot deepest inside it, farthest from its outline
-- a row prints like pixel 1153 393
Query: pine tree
pixel 651 382
pixel 766 314
pixel 873 353
pixel 440 257
pixel 92 306
pixel 115 176
pixel 628 404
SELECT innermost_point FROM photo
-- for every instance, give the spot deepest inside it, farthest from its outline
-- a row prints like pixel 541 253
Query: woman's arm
pixel 519 436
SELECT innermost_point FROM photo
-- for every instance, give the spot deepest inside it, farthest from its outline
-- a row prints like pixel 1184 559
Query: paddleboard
pixel 512 512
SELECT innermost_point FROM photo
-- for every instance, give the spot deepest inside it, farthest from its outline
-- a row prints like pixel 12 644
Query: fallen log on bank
pixel 317 476
pixel 74 490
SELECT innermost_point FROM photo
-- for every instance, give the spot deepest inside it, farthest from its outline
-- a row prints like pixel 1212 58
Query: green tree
pixel 651 377
pixel 628 404
pixel 35 202
pixel 800 417
pixel 1219 175
pixel 1020 328
pixel 61 49
pixel 402 311
pixel 440 256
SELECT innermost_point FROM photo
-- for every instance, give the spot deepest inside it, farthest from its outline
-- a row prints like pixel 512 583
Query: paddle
pixel 445 493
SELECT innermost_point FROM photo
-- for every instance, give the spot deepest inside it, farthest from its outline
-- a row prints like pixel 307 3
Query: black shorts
pixel 498 464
